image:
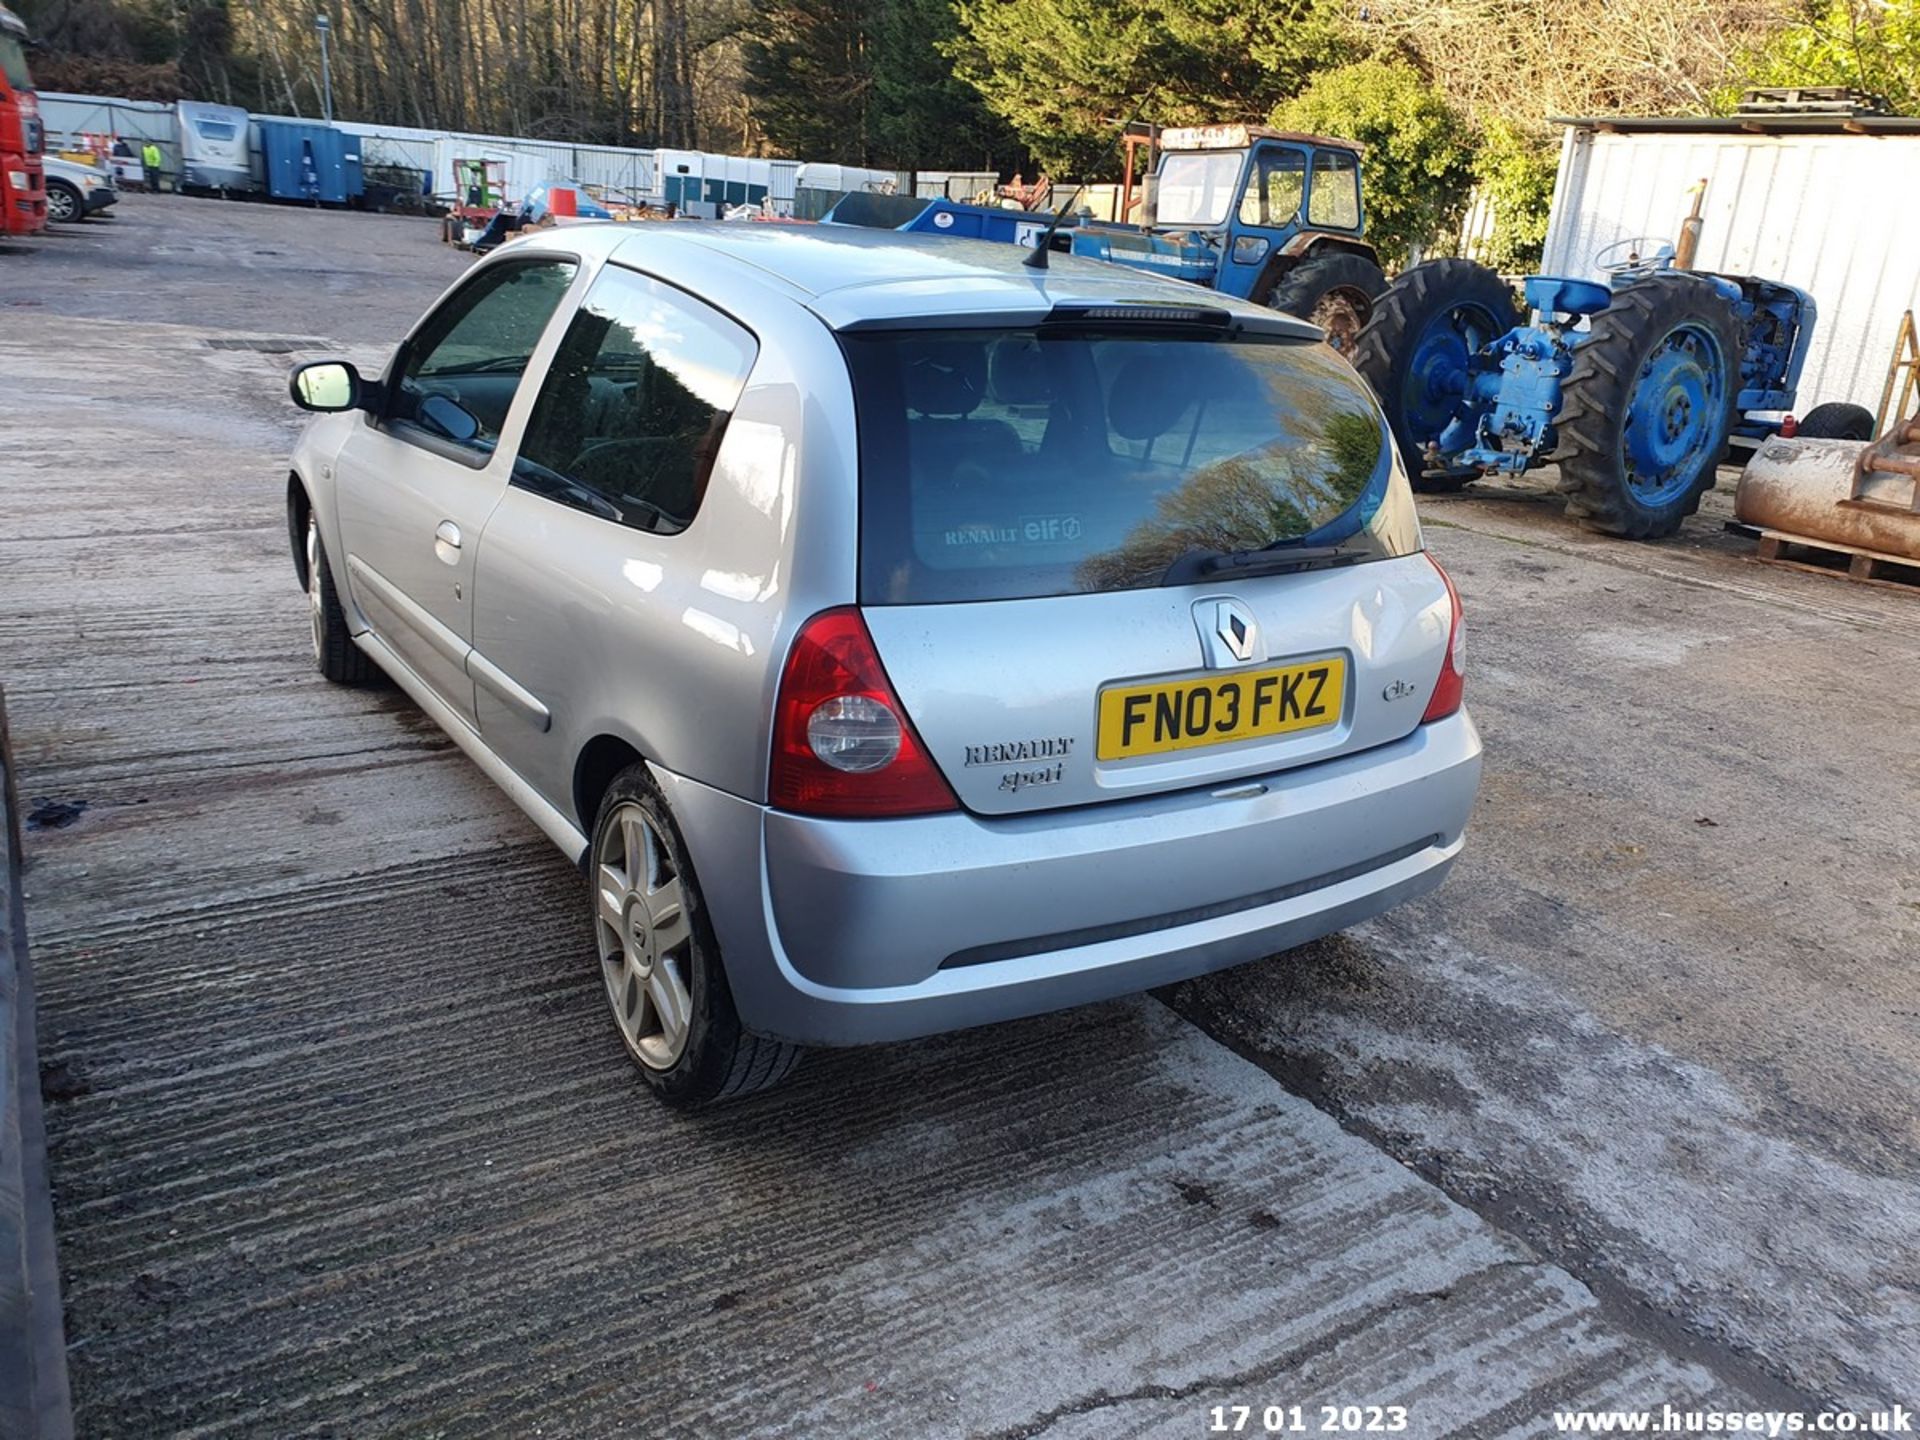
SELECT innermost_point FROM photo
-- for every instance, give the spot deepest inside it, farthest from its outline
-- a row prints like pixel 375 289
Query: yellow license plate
pixel 1220 709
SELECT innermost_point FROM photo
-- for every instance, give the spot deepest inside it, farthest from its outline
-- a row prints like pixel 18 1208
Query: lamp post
pixel 321 24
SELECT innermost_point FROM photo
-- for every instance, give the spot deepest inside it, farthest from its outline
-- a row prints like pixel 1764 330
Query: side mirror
pixel 326 386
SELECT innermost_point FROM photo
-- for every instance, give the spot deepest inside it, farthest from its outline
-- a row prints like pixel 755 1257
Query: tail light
pixel 1450 689
pixel 842 743
pixel 1789 427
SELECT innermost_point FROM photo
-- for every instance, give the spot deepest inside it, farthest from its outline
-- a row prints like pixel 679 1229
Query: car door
pixel 1334 201
pixel 590 597
pixel 1269 210
pixel 414 486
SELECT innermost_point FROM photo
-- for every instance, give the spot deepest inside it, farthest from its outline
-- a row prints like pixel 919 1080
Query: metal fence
pixel 68 117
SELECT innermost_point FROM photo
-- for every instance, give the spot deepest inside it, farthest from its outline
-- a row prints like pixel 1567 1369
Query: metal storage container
pixel 310 162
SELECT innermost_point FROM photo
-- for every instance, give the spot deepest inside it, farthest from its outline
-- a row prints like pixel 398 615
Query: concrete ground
pixel 344 1143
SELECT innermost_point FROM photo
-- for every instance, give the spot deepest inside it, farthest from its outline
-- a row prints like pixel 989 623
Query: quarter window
pixel 459 375
pixel 1335 202
pixel 635 404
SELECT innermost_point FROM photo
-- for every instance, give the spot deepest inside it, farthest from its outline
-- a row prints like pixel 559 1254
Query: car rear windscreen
pixel 1002 464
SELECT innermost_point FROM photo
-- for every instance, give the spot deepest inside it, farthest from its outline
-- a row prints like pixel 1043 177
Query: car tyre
pixel 334 653
pixel 658 958
pixel 64 203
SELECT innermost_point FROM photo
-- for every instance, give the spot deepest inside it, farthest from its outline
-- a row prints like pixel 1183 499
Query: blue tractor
pixel 1267 215
pixel 1634 387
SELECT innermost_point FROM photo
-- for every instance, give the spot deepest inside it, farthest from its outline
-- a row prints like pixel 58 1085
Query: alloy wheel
pixel 645 937
pixel 316 602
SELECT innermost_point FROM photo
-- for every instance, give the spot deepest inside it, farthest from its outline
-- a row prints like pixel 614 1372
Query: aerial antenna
pixel 1037 257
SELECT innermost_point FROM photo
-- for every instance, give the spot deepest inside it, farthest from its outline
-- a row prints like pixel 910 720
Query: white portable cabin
pixel 1829 203
pixel 706 186
pixel 216 150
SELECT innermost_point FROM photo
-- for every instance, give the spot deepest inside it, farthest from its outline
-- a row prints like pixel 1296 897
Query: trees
pixel 1872 45
pixel 592 70
pixel 809 72
pixel 1419 163
pixel 1067 75
pixel 1515 168
pixel 867 82
pixel 924 115
pixel 936 84
pixel 1524 60
pixel 1507 65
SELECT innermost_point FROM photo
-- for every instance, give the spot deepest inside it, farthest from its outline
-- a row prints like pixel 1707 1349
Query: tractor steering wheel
pixel 1641 252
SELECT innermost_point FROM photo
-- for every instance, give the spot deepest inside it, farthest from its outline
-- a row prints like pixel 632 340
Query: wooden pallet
pixel 1872 567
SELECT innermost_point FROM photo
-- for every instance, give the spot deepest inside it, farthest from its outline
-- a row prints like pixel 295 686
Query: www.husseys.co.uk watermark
pixel 1670 1421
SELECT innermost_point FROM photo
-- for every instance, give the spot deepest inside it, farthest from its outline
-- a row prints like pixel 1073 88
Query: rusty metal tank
pixel 1841 492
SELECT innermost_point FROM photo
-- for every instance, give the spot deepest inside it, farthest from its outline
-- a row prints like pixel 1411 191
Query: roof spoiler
pixel 1118 314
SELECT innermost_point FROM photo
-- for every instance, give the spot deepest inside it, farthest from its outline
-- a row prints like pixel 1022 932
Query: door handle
pixel 446 542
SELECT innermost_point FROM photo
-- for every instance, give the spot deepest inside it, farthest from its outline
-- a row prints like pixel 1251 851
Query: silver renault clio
pixel 901 636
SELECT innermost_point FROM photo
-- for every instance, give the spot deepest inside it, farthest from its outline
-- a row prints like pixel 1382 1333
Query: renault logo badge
pixel 1229 635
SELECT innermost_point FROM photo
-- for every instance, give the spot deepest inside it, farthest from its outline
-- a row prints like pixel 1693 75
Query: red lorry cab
pixel 23 191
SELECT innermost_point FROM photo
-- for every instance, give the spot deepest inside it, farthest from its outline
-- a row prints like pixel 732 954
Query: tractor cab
pixel 1253 194
pixel 1267 215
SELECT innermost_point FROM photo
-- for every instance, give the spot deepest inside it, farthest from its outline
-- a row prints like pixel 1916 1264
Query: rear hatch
pixel 1115 554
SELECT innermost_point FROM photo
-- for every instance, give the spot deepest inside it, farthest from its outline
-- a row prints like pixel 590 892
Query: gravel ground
pixel 343 1143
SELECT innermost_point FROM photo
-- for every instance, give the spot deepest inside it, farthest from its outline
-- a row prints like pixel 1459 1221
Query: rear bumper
pixel 847 932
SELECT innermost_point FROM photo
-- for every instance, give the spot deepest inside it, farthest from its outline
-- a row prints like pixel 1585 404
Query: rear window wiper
pixel 1198 565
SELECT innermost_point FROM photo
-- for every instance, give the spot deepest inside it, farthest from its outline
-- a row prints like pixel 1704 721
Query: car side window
pixel 458 377
pixel 635 405
pixel 1273 198
pixel 1335 201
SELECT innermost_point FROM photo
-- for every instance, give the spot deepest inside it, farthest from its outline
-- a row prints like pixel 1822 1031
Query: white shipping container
pixel 1837 214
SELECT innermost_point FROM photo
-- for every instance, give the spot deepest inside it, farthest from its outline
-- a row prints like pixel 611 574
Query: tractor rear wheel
pixel 1647 406
pixel 1335 290
pixel 1414 353
pixel 1837 420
